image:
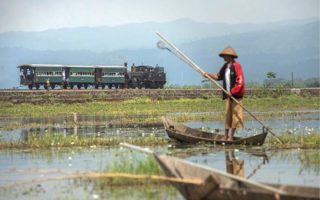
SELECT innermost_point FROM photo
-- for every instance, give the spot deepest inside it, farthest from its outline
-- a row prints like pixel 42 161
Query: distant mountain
pixel 292 48
pixel 282 47
pixel 129 36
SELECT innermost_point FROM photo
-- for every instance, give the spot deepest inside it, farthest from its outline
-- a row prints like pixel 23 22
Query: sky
pixel 38 15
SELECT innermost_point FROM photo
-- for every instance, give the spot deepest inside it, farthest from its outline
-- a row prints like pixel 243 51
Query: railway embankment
pixel 81 96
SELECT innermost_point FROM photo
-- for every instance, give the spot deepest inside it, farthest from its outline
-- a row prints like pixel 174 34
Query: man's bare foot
pixel 225 138
pixel 230 138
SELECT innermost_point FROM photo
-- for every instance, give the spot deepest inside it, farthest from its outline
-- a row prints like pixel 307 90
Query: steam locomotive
pixel 97 76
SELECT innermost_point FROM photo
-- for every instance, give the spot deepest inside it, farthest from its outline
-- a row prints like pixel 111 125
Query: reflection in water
pixel 305 122
pixel 233 165
pixel 83 131
pixel 300 167
pixel 295 124
pixel 30 166
pixel 124 189
pixel 295 166
pixel 300 124
pixel 69 119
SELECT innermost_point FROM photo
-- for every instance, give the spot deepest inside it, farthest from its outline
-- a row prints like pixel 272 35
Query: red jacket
pixel 237 85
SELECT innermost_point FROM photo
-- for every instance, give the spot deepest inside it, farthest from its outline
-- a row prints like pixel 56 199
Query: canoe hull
pixel 218 185
pixel 186 134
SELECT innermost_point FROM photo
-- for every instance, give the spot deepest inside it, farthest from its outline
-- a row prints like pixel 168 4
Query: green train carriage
pixel 36 75
pixel 80 76
pixel 111 76
pixel 50 75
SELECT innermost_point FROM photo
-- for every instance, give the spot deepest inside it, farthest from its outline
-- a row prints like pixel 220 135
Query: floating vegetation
pixel 310 140
pixel 305 141
pixel 60 140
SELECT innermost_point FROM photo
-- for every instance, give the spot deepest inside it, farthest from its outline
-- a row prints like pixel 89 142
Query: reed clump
pixel 304 141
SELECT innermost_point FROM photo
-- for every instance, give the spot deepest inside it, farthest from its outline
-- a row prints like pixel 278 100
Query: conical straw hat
pixel 229 51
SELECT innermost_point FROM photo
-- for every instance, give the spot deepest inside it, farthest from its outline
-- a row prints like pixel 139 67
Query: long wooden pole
pixel 188 61
pixel 109 175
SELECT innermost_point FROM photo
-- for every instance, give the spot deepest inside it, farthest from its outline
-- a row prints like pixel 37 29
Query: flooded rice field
pixel 299 122
pixel 37 173
pixel 43 173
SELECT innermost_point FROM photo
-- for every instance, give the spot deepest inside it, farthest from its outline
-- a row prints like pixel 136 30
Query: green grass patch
pixel 143 165
pixel 131 163
pixel 146 106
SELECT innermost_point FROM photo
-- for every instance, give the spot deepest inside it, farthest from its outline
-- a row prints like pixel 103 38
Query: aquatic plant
pixel 54 140
pixel 306 141
pixel 137 165
pixel 310 161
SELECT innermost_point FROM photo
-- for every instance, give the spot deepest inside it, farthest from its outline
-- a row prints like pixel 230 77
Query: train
pixel 49 76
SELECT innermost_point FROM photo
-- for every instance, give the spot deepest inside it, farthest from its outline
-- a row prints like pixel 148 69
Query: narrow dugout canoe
pixel 209 183
pixel 219 185
pixel 186 134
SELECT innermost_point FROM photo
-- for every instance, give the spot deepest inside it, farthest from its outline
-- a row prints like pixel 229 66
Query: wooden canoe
pixel 218 185
pixel 186 134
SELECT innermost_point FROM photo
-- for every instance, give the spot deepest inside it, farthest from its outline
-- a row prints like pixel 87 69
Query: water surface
pixel 22 170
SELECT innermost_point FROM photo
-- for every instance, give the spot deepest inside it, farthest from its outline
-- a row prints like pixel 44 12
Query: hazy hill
pixel 282 47
pixel 130 36
pixel 283 50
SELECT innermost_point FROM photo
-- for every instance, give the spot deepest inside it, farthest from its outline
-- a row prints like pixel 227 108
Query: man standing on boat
pixel 233 82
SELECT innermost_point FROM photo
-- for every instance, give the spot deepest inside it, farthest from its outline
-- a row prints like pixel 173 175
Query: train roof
pixel 71 66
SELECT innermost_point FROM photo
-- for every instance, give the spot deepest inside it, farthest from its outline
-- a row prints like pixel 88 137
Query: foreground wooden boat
pixel 219 185
pixel 184 133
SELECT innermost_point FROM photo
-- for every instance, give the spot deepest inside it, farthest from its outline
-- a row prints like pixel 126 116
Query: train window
pixel 57 73
pixel 84 74
pixel 112 74
pixel 48 73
